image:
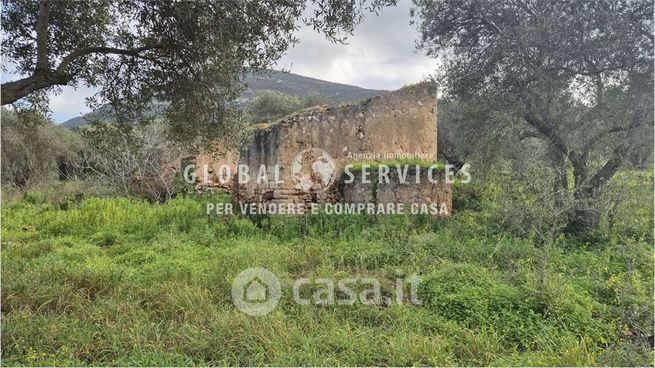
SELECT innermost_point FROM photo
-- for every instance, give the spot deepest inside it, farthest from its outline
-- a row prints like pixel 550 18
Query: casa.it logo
pixel 313 170
pixel 256 291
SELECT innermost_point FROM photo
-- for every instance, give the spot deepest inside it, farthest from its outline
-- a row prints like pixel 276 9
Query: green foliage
pixel 467 196
pixel 34 150
pixel 512 91
pixel 268 106
pixel 272 80
pixel 473 296
pixel 141 53
pixel 120 281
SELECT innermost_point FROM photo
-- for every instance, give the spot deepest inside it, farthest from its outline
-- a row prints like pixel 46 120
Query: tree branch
pixel 45 77
pixel 68 59
pixel 15 90
pixel 491 25
pixel 529 134
pixel 548 132
pixel 587 147
pixel 610 167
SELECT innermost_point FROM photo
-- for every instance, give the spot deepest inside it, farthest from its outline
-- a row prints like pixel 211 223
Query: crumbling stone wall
pixel 208 166
pixel 398 122
pixel 416 190
pixel 395 125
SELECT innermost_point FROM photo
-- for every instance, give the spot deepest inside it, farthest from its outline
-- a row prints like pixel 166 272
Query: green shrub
pixel 467 196
pixel 475 297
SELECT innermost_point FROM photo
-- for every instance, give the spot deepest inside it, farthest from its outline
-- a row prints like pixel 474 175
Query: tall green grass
pixel 118 281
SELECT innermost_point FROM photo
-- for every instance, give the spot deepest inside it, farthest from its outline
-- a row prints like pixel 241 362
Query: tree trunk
pixel 586 216
pixel 587 190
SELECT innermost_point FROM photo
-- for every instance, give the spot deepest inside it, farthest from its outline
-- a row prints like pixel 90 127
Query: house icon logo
pixel 256 291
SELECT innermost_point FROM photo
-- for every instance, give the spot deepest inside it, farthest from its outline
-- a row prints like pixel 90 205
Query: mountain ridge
pixel 274 80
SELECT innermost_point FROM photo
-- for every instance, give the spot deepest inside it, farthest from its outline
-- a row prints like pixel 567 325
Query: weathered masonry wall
pixel 416 190
pixel 402 121
pixel 208 169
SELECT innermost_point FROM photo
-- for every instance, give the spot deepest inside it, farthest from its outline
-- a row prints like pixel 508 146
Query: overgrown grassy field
pixel 116 281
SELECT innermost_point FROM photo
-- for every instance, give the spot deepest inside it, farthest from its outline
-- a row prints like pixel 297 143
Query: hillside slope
pixel 289 83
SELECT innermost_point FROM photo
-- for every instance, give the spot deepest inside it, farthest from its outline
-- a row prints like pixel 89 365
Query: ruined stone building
pixel 395 125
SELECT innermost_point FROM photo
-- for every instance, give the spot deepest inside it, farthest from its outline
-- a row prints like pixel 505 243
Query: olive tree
pixel 191 54
pixel 577 74
pixel 270 105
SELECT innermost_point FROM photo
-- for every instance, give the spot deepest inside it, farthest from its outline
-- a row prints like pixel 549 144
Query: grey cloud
pixel 381 54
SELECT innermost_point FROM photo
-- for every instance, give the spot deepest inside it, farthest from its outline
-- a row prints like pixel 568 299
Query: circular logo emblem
pixel 313 170
pixel 256 291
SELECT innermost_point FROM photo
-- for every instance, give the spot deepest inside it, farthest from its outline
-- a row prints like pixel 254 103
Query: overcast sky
pixel 380 55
